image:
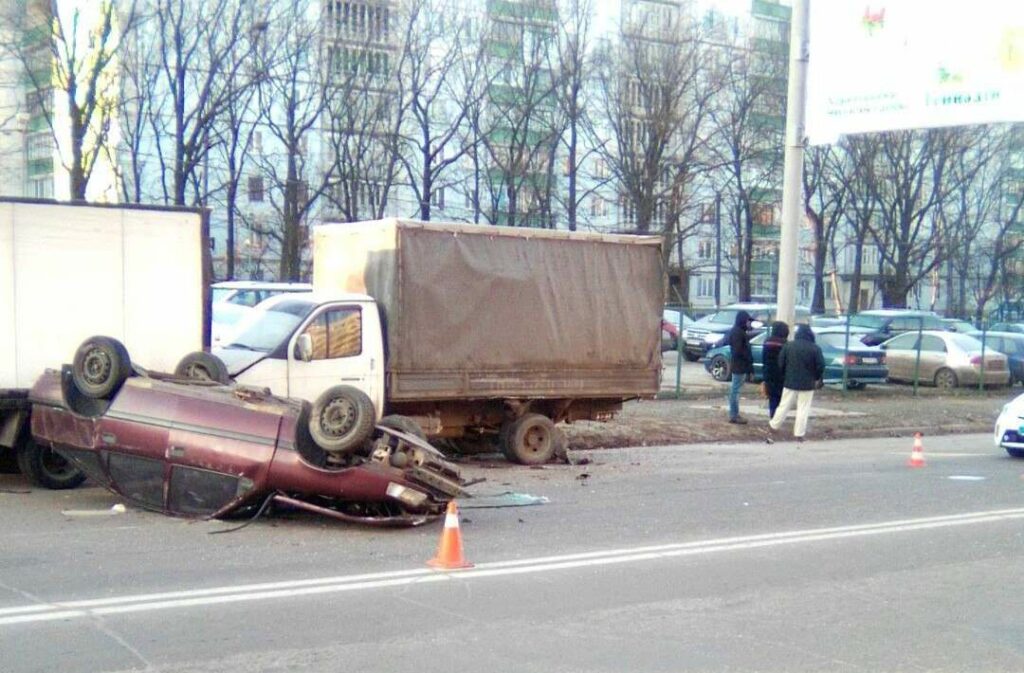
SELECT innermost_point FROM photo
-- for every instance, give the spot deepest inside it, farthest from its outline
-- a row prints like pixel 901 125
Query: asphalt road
pixel 825 556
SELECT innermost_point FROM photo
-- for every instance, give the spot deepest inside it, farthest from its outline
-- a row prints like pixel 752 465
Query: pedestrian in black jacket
pixel 803 367
pixel 741 362
pixel 772 372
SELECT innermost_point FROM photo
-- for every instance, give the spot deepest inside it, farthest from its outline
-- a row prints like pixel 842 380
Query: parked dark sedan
pixel 200 449
pixel 864 364
pixel 1010 344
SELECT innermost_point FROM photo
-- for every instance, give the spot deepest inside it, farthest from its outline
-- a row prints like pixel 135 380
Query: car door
pixel 899 356
pixel 338 354
pixel 933 356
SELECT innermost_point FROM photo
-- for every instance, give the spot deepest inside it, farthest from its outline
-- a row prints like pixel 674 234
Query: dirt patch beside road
pixel 890 411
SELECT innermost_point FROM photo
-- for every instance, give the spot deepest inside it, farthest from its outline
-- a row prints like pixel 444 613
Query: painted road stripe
pixel 325 585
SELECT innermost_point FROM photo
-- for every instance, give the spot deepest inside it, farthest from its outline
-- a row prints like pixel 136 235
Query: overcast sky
pixel 608 11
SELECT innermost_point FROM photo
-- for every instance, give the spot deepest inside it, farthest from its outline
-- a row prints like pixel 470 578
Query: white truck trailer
pixel 71 271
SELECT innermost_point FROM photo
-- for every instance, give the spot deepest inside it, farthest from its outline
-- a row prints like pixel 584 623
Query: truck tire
pixel 341 419
pixel 43 466
pixel 403 424
pixel 530 440
pixel 100 366
pixel 202 366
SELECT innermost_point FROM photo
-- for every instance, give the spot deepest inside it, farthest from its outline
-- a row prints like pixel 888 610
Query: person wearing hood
pixel 741 362
pixel 772 373
pixel 803 367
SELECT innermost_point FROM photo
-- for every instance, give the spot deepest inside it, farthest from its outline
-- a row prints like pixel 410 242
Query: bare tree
pixel 443 71
pixel 859 174
pixel 573 72
pixel 825 197
pixel 653 100
pixel 72 64
pixel 202 50
pixel 366 106
pixel 518 127
pixel 908 184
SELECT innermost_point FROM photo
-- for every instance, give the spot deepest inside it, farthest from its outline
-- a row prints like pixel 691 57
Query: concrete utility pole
pixel 792 179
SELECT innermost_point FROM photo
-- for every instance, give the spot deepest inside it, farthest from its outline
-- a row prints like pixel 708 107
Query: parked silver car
pixel 948 359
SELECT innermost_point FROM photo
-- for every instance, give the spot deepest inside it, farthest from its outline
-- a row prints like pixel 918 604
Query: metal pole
pixel 718 249
pixel 846 350
pixel 917 361
pixel 981 375
pixel 680 349
pixel 792 181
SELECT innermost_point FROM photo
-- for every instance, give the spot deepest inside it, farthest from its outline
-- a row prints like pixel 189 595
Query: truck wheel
pixel 719 368
pixel 45 467
pixel 341 419
pixel 100 366
pixel 530 440
pixel 403 424
pixel 202 366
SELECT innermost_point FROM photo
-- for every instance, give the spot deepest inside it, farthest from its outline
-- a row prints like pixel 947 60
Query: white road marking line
pixel 297 588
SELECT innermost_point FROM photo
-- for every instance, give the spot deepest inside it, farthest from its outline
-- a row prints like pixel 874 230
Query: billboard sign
pixel 901 64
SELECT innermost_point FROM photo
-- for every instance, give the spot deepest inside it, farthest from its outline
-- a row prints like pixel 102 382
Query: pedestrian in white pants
pixel 802 399
pixel 803 366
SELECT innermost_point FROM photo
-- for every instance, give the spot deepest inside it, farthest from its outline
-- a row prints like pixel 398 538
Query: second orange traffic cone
pixel 917 453
pixel 449 551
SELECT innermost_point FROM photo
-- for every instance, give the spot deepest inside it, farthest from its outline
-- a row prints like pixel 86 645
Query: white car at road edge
pixel 1009 430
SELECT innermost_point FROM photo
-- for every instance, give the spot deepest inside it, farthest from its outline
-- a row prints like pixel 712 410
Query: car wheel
pixel 403 424
pixel 720 368
pixel 1014 453
pixel 43 466
pixel 202 366
pixel 531 440
pixel 945 379
pixel 690 357
pixel 855 385
pixel 341 419
pixel 100 366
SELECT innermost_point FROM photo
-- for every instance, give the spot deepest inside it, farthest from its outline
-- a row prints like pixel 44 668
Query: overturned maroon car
pixel 197 448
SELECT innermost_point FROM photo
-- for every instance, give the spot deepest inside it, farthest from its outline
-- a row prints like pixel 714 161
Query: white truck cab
pixel 298 345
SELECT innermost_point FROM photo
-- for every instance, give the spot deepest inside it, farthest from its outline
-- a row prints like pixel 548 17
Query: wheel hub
pixel 338 418
pixel 96 367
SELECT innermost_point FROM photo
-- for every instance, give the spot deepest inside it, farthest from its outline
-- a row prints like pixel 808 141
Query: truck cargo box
pixel 71 271
pixel 497 312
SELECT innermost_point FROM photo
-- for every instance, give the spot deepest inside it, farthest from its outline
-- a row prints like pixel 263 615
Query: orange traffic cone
pixel 917 453
pixel 449 552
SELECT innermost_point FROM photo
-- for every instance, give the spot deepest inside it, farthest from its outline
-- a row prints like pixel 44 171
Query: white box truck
pixel 69 271
pixel 483 336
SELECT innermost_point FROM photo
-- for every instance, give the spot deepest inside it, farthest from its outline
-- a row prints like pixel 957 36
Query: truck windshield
pixel 265 329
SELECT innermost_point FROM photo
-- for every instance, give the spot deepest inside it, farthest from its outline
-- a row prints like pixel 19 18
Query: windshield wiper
pixel 246 347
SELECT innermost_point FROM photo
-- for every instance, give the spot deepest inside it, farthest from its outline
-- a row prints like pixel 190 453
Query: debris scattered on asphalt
pixel 506 499
pixel 582 476
pixel 115 509
pixel 965 477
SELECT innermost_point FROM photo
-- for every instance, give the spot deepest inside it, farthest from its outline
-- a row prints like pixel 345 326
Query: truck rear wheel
pixel 43 466
pixel 342 419
pixel 100 366
pixel 202 366
pixel 530 440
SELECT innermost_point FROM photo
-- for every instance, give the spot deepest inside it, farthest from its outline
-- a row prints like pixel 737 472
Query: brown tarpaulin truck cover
pixel 494 312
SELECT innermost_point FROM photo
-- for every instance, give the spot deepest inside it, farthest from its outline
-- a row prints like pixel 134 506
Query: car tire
pixel 856 385
pixel 403 424
pixel 203 366
pixel 531 440
pixel 690 357
pixel 100 366
pixel 719 368
pixel 43 466
pixel 946 379
pixel 341 419
pixel 1014 453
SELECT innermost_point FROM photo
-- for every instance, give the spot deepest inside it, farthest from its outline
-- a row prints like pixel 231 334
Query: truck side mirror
pixel 304 348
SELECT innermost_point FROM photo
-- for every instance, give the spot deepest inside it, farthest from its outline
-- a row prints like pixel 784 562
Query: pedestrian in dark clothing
pixel 772 372
pixel 741 362
pixel 803 367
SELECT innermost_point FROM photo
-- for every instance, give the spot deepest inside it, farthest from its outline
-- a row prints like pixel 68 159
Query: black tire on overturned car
pixel 342 419
pixel 203 366
pixel 100 366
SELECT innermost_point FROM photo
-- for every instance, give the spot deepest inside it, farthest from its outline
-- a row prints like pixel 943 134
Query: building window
pixel 705 286
pixel 706 248
pixel 255 189
pixel 437 198
pixel 805 290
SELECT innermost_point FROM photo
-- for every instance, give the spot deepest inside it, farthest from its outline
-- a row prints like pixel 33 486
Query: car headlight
pixel 712 338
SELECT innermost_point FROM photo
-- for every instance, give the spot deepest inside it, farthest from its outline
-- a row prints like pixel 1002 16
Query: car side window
pixel 907 342
pixel 932 344
pixel 337 333
pixel 904 324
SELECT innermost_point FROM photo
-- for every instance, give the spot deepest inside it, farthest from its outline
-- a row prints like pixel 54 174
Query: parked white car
pixel 1009 431
pixel 252 292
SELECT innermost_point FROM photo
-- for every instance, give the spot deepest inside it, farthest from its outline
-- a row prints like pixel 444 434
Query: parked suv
pixel 876 326
pixel 704 334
